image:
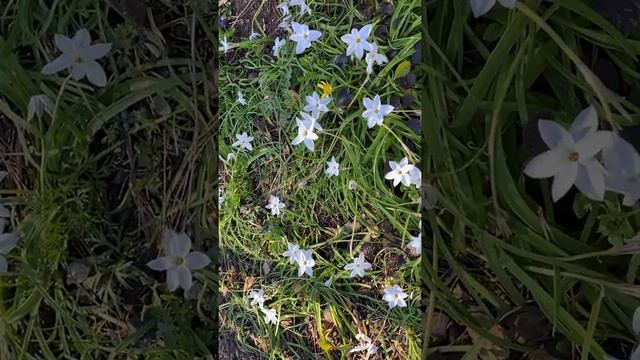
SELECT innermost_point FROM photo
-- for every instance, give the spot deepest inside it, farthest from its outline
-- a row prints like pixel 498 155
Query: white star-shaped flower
pixel 365 344
pixel 316 105
pixel 571 156
pixel 38 105
pixel 305 262
pixel 375 111
pixel 225 44
pixel 241 98
pixel 373 57
pixel 275 205
pixel 415 244
pixel 395 296
pixel 303 37
pixel 257 297
pixel 277 45
pixel 243 141
pixel 357 42
pixel 333 167
pixel 358 266
pixel 79 56
pixel 292 252
pixel 284 7
pixel 481 7
pixel 178 260
pixel 400 172
pixel 270 316
pixel 305 133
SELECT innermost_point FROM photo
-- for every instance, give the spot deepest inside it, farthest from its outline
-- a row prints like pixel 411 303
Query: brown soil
pixel 228 349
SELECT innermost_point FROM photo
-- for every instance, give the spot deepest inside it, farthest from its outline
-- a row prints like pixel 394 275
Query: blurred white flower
pixel 357 42
pixel 358 266
pixel 400 172
pixel 38 105
pixel 241 98
pixel 275 205
pixel 305 134
pixel 231 156
pixel 305 262
pixel 622 176
pixel 481 7
pixel 277 45
pixel 333 167
pixel 375 111
pixel 225 44
pixel 292 252
pixel 243 141
pixel 352 185
pixel 284 7
pixel 254 35
pixel 316 105
pixel 571 158
pixel 178 260
pixel 8 241
pixel 79 56
pixel 395 296
pixel 329 281
pixel 257 297
pixel 303 37
pixel 415 244
pixel 286 23
pixel 416 177
pixel 220 195
pixel 306 118
pixel 373 57
pixel 270 316
pixel 364 344
pixel 302 4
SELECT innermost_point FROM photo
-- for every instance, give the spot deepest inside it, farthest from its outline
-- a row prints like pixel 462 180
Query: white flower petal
pixel 590 180
pixel 3 264
pixel 172 279
pixel 547 164
pixel 197 260
pixel 585 122
pixel 563 181
pixel 82 39
pixel 98 51
pixel 60 63
pixel 553 134
pixel 592 143
pixel 481 7
pixel 64 44
pixel 161 263
pixel 8 242
pixel 95 73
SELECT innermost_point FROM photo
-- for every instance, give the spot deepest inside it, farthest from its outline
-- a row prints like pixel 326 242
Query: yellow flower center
pixel 574 156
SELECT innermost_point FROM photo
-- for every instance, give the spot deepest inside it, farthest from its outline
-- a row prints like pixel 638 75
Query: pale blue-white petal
pixel 301 46
pixel 197 260
pixel 621 156
pixel 314 35
pixel 95 73
pixel 563 181
pixel 547 164
pixel 172 279
pixel 592 143
pixel 60 63
pixel 78 71
pixel 64 44
pixel 365 31
pixel 586 122
pixel 97 51
pixel 297 27
pixel 590 180
pixel 8 242
pixel 82 39
pixel 553 134
pixel 184 277
pixel 161 263
pixel 3 264
pixel 182 245
pixel 169 241
pixel 481 7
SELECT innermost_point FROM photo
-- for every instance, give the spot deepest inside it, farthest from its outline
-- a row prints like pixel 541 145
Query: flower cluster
pixel 304 259
pixel 572 159
pixel 257 298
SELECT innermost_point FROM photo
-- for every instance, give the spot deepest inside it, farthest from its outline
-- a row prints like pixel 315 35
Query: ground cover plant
pixel 320 179
pixel 531 151
pixel 108 163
